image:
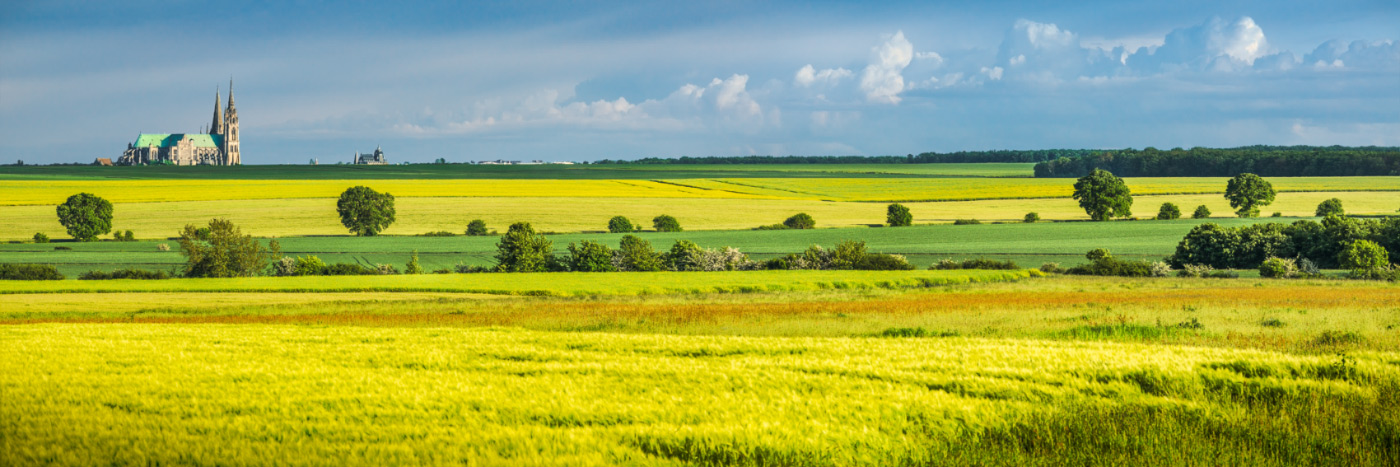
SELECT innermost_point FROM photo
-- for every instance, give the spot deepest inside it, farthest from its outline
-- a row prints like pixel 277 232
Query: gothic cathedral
pixel 217 147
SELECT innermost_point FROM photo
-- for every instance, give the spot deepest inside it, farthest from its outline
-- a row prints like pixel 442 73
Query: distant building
pixel 102 161
pixel 374 158
pixel 217 147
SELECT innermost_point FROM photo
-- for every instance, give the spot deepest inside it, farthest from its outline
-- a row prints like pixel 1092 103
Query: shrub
pixel 85 216
pixel 523 250
pixel 589 256
pixel 946 264
pixel 1097 254
pixel 128 236
pixel 440 233
pixel 979 263
pixel 1195 270
pixel 772 227
pixel 442 271
pixel 1276 214
pixel 1031 218
pixel 470 269
pixel 41 238
pixel 128 273
pixel 1052 268
pixel 1168 211
pixel 897 215
pixel 847 255
pixel 29 272
pixel 308 265
pixel 1271 323
pixel 966 222
pixel 349 269
pixel 800 221
pixel 226 252
pixel 635 254
pixel 284 266
pixel 1366 259
pixel 883 262
pixel 620 224
pixel 1331 207
pixel 684 256
pixel 1202 212
pixel 665 223
pixel 1103 195
pixel 413 267
pixel 1104 264
pixel 726 259
pixel 916 332
pixel 386 269
pixel 163 247
pixel 476 228
pixel 1308 268
pixel 1161 269
pixel 1281 268
pixel 1247 192
pixel 62 248
pixel 365 212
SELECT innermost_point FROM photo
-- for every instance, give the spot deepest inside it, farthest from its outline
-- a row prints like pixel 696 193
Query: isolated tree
pixel 1031 217
pixel 413 267
pixel 1247 192
pixel 800 221
pixel 589 256
pixel 665 223
pixel 1202 212
pixel 1103 195
pixel 364 211
pixel 1331 207
pixel 620 224
pixel 1169 211
pixel 523 250
pixel 897 215
pixel 86 216
pixel 635 254
pixel 476 228
pixel 224 251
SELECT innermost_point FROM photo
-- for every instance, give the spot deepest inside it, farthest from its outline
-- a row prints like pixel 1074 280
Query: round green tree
pixel 1364 258
pixel 476 228
pixel 1202 212
pixel 523 250
pixel 1331 207
pixel 86 216
pixel 1031 218
pixel 621 224
pixel 364 211
pixel 1103 195
pixel 590 256
pixel 1169 211
pixel 635 254
pixel 665 223
pixel 897 215
pixel 1247 192
pixel 800 221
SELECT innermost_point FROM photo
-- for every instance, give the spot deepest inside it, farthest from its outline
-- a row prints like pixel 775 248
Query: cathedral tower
pixel 217 127
pixel 230 131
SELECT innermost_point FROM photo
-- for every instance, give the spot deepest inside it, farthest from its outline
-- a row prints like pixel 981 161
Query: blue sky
pixel 592 80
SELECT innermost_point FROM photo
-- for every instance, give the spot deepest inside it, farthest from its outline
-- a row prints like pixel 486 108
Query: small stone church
pixel 217 147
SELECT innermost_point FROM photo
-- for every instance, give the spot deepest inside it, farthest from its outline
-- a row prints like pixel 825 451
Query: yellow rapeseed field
pixel 89 394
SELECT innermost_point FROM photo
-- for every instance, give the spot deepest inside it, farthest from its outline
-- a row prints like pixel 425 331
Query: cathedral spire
pixel 217 127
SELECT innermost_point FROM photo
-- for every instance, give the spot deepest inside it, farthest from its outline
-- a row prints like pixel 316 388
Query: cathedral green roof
pixel 165 140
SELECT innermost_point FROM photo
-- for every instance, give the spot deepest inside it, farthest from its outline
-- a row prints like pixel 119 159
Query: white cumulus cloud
pixel 882 80
pixel 808 76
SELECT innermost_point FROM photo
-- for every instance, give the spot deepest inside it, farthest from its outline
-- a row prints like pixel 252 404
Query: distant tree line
pixel 1006 155
pixel 1268 161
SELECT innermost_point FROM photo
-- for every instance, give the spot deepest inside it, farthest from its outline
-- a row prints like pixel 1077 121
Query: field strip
pixel 17 305
pixel 538 284
pixel 168 394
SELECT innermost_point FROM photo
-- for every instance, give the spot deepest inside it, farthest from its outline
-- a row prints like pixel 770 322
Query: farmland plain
pixel 727 368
